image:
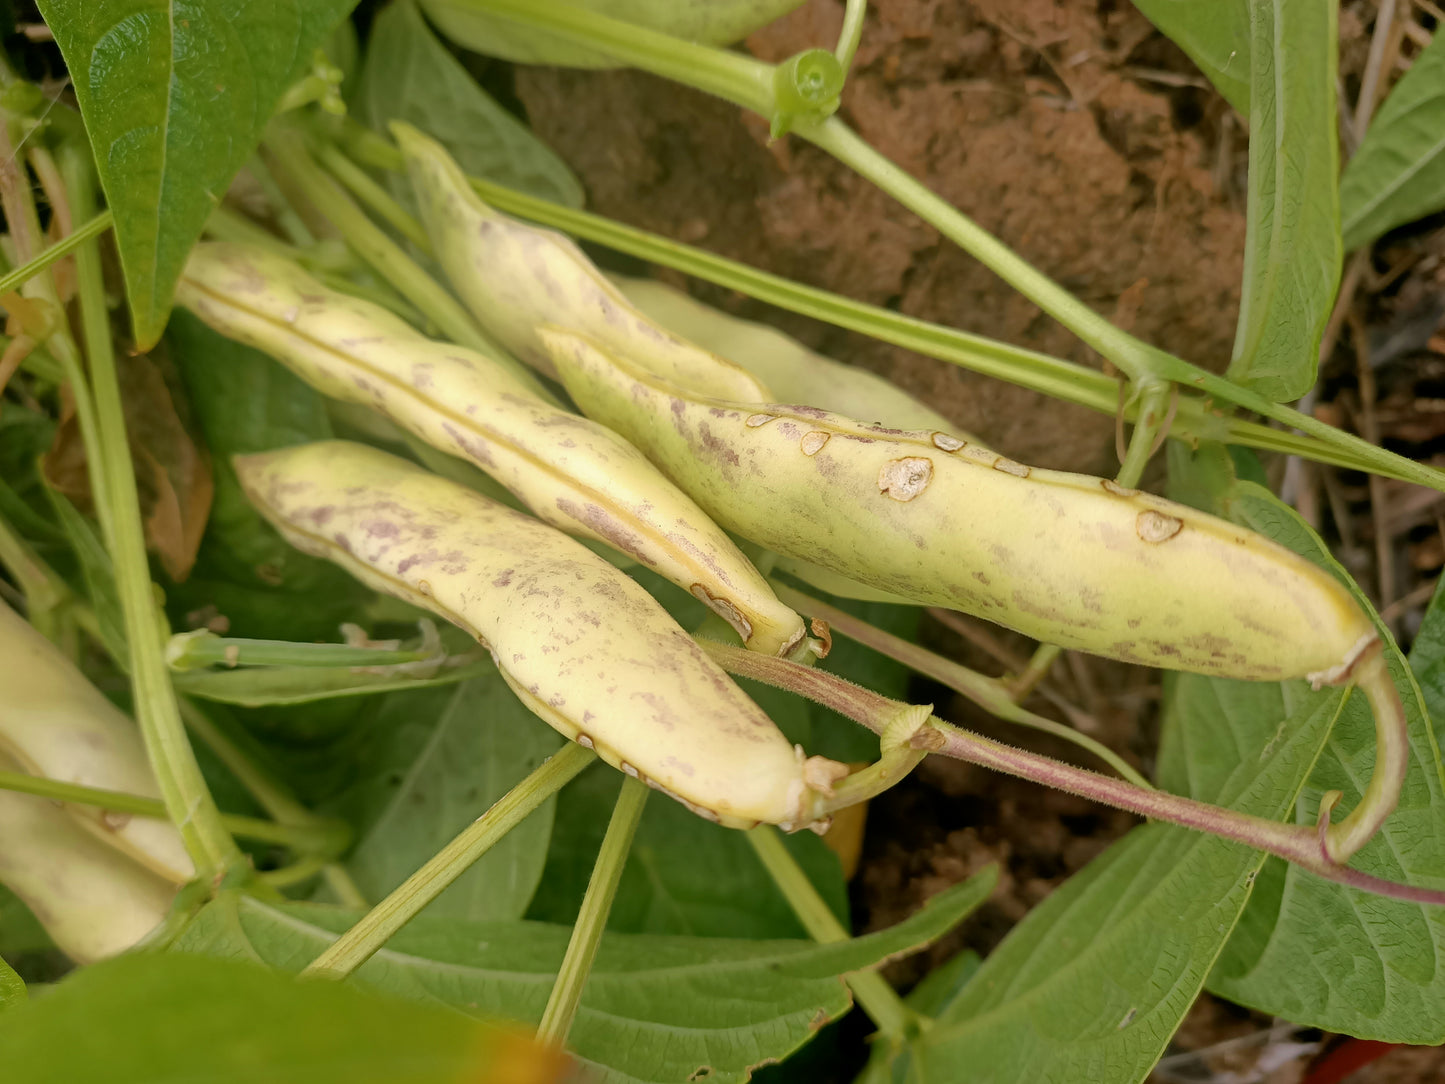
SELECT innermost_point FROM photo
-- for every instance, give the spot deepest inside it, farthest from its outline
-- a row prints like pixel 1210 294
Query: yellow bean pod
pixel 1064 558
pixel 583 646
pixel 56 724
pixel 92 899
pixel 572 472
pixel 514 277
pixel 793 372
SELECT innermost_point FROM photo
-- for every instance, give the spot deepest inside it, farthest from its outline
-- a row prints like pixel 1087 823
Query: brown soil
pixel 1080 137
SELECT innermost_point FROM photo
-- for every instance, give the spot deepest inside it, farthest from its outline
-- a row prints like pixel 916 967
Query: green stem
pixel 360 184
pixel 94 227
pixel 880 1001
pixel 749 84
pixel 358 944
pixel 196 650
pixel 384 255
pixel 994 696
pixel 576 966
pixel 187 798
pixel 44 591
pixel 852 32
pixel 325 837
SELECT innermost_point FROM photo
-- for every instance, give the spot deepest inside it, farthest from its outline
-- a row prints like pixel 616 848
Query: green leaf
pixel 411 76
pixel 177 1019
pixel 245 402
pixel 1215 34
pixel 175 94
pixel 430 776
pixel 12 987
pixel 1332 957
pixel 684 875
pixel 717 22
pixel 1091 985
pixel 654 1009
pixel 1398 174
pixel 1292 247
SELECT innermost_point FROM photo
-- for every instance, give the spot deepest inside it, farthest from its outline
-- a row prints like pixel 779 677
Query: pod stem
pixel 576 966
pixel 357 945
pixel 896 1021
pixel 994 696
pixel 321 838
pixel 1392 761
pixel 1300 845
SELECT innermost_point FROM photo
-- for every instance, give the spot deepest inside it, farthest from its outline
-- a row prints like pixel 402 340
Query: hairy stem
pixel 995 697
pixel 895 1020
pixel 358 944
pixel 576 966
pixel 1303 846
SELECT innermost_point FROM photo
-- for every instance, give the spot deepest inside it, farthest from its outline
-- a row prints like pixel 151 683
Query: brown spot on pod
pixel 1156 527
pixel 584 741
pixel 755 420
pixel 825 637
pixel 724 609
pixel 1008 466
pixel 946 443
pixel 904 479
pixel 1115 488
pixel 114 821
pixel 628 769
pixel 812 443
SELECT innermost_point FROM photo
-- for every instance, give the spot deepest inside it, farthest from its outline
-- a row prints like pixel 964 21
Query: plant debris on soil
pixel 1089 143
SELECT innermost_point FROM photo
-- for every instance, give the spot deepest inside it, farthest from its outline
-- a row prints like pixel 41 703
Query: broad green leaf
pixel 1332 957
pixel 1215 34
pixel 177 1019
pixel 245 402
pixel 1292 246
pixel 175 94
pixel 654 1009
pixel 411 76
pixel 1092 984
pixel 432 775
pixel 1398 174
pixel 717 22
pixel 684 875
pixel 12 987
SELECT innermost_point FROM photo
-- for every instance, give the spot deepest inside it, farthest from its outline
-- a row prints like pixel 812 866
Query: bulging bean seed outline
pixel 583 646
pixel 1064 558
pixel 572 472
pixel 55 724
pixel 515 277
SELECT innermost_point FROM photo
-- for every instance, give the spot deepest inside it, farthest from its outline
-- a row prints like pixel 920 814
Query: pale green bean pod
pixel 1065 558
pixel 92 899
pixel 583 646
pixel 56 724
pixel 572 472
pixel 794 373
pixel 515 277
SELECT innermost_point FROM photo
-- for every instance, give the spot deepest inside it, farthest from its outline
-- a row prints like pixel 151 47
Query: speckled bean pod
pixel 1064 558
pixel 515 277
pixel 572 472
pixel 92 899
pixel 583 646
pixel 56 724
pixel 794 373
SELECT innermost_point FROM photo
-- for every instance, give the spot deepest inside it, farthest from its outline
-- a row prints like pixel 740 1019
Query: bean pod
pixel 1064 558
pixel 56 724
pixel 570 471
pixel 583 646
pixel 515 277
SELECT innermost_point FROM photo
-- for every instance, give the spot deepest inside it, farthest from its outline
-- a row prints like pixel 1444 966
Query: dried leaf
pixel 172 466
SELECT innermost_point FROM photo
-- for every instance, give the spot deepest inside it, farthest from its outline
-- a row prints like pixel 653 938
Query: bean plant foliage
pixel 367 796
